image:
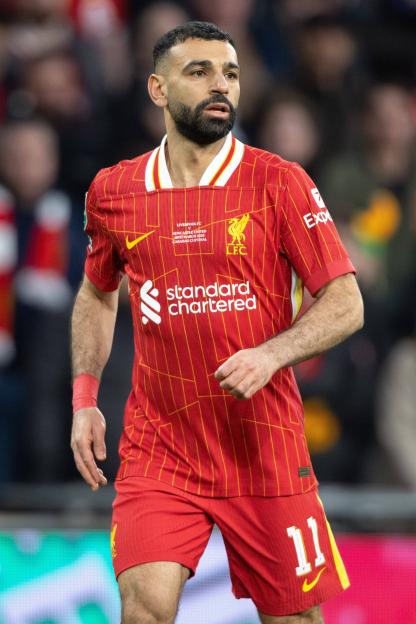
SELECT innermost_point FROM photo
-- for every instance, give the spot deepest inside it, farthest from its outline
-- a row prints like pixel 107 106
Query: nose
pixel 219 84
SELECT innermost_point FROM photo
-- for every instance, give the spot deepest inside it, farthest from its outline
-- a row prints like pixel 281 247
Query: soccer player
pixel 217 239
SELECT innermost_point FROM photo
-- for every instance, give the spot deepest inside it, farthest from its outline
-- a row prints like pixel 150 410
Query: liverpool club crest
pixel 236 228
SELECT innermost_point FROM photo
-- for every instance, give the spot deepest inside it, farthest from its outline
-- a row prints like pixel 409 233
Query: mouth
pixel 219 109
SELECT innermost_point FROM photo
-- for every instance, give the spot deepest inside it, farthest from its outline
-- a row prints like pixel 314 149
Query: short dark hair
pixel 190 30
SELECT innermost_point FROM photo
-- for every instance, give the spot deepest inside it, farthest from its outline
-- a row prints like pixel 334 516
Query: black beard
pixel 199 129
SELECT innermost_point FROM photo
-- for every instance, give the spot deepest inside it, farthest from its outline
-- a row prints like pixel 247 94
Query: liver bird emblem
pixel 236 228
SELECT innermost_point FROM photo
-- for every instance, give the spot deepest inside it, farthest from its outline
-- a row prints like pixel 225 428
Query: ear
pixel 157 89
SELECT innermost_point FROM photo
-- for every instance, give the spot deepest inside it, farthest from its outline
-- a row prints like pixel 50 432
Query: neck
pixel 187 161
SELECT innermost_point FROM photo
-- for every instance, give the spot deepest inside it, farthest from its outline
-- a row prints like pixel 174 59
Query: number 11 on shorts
pixel 304 566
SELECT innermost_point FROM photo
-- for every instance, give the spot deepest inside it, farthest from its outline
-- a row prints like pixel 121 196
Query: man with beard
pixel 217 239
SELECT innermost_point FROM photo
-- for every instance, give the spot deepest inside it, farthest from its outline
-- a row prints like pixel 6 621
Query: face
pixel 56 85
pixel 289 130
pixel 200 84
pixel 389 119
pixel 28 161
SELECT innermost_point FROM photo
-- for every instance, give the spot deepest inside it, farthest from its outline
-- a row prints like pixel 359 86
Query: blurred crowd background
pixel 330 84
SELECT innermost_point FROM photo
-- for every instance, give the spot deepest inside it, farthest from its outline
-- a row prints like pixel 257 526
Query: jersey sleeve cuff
pixel 318 279
pixel 100 283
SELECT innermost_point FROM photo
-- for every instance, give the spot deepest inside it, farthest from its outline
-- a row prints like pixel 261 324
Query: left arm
pixel 336 314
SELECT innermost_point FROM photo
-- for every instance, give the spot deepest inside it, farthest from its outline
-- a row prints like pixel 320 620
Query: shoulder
pixel 267 167
pixel 124 177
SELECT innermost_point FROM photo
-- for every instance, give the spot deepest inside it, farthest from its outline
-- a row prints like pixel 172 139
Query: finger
pixel 233 380
pixel 245 389
pixel 226 368
pixel 88 460
pixel 84 472
pixel 97 473
pixel 99 442
pixel 248 393
pixel 239 392
pixel 93 481
pixel 103 477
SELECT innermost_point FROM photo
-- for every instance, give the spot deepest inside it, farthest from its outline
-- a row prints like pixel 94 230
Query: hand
pixel 87 441
pixel 246 371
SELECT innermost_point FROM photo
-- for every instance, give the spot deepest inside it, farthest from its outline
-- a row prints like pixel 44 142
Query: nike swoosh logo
pixel 306 587
pixel 133 243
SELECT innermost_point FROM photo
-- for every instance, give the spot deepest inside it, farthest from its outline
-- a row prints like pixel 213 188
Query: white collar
pixel 218 172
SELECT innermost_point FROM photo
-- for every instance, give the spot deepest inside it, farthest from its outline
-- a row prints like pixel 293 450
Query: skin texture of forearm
pixel 336 314
pixel 92 330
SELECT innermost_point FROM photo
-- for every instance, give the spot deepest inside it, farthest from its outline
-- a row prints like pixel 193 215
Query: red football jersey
pixel 212 269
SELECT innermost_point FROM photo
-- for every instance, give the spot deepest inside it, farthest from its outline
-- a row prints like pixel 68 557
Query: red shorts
pixel 281 550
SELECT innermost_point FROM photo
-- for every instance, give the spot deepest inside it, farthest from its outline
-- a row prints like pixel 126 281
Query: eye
pixel 232 75
pixel 198 72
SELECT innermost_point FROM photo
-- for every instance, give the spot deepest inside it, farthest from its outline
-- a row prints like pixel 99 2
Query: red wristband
pixel 85 391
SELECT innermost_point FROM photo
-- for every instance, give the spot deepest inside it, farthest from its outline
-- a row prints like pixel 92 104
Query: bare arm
pixel 336 314
pixel 93 321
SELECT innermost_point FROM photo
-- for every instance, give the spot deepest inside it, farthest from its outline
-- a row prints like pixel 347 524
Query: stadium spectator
pixel 326 70
pixel 12 388
pixel 139 125
pixel 295 11
pixel 287 125
pixel 338 392
pixel 42 11
pixel 370 192
pixel 44 258
pixel 103 25
pixel 393 460
pixel 371 189
pixel 150 23
pixel 396 423
pixel 235 16
pixel 3 63
pixel 55 87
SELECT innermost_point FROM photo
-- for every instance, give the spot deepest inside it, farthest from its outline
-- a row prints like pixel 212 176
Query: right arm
pixel 93 322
